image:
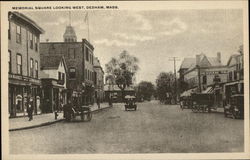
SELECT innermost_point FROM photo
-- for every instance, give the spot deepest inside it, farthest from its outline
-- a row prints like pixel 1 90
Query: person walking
pixel 30 110
pixel 98 102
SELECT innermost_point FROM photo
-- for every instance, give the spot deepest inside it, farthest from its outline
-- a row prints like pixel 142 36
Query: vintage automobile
pixel 130 103
pixel 233 100
pixel 235 107
pixel 84 112
pixel 202 102
pixel 186 102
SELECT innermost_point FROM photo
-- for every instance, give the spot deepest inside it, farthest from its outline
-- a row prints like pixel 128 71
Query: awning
pixel 187 93
pixel 232 83
pixel 208 90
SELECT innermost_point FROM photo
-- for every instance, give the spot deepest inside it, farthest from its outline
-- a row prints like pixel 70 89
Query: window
pixel 18 34
pixel 31 40
pixel 204 79
pixel 10 61
pixel 36 43
pixel 19 64
pixel 235 75
pixel 31 67
pixel 72 73
pixel 87 54
pixel 36 69
pixel 63 78
pixel 72 53
pixel 9 29
pixel 85 73
pixel 59 76
pixel 230 76
pixel 92 58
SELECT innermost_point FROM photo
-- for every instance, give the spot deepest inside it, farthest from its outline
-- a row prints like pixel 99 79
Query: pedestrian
pixel 98 102
pixel 30 110
pixel 67 107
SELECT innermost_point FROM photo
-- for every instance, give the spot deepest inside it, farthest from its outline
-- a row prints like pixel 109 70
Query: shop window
pixel 19 64
pixel 18 34
pixel 10 66
pixel 72 73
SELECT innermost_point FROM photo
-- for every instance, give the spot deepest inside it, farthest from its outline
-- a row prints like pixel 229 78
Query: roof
pixel 28 20
pixel 69 32
pixel 213 61
pixel 233 56
pixel 187 63
pixel 51 61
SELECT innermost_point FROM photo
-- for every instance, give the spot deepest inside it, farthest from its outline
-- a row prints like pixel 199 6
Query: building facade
pixel 54 82
pixel 24 64
pixel 235 68
pixel 79 58
pixel 98 80
pixel 200 72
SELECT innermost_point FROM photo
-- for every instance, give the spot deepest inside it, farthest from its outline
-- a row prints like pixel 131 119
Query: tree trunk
pixel 123 95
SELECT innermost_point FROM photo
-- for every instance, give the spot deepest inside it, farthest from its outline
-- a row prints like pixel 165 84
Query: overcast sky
pixel 152 36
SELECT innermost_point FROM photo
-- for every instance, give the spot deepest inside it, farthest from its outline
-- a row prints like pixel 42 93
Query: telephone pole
pixel 176 91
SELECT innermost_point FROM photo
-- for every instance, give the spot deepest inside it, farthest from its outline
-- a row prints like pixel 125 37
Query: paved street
pixel 153 128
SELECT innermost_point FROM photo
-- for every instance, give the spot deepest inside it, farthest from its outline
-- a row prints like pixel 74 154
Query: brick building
pixel 24 63
pixel 79 59
pixel 99 80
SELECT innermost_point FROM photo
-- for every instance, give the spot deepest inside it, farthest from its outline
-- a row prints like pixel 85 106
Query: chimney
pixel 198 58
pixel 219 57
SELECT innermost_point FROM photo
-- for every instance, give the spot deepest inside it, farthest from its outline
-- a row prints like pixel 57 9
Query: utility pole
pixel 176 91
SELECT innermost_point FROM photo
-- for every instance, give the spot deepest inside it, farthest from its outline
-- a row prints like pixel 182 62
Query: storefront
pixel 21 89
pixel 54 96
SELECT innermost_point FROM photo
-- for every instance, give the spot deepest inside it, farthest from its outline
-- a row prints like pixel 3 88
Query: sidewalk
pixel 44 119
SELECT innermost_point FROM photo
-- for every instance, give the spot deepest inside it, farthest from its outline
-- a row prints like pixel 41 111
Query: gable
pixel 204 62
pixel 232 61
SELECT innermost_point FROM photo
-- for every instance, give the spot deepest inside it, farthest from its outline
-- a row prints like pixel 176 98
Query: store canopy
pixel 208 90
pixel 187 93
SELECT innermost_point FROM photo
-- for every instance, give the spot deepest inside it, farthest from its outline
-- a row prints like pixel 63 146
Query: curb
pixel 52 122
pixel 35 126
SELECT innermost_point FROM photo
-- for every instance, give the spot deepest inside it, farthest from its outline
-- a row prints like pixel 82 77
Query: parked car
pixel 235 107
pixel 233 101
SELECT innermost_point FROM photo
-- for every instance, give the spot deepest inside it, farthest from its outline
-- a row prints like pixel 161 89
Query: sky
pixel 153 36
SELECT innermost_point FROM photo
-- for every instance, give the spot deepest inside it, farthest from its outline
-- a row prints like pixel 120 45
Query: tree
pixel 240 50
pixel 165 86
pixel 122 70
pixel 145 90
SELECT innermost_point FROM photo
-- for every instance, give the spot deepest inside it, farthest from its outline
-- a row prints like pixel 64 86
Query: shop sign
pixel 214 72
